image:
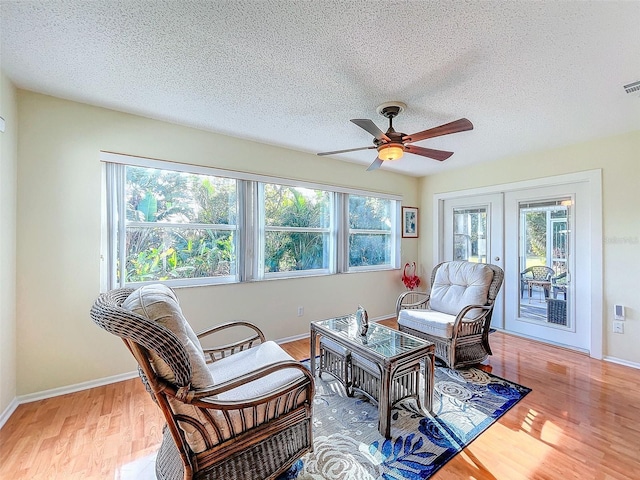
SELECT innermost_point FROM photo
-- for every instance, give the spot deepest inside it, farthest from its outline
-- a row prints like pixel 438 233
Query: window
pixel 191 225
pixel 372 232
pixel 296 225
pixel 177 226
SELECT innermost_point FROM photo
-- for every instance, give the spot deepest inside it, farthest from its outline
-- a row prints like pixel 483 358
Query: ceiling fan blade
pixel 347 150
pixel 377 163
pixel 371 127
pixel 453 127
pixel 440 155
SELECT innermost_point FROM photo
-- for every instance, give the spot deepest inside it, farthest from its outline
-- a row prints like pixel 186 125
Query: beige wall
pixel 619 159
pixel 8 163
pixel 59 211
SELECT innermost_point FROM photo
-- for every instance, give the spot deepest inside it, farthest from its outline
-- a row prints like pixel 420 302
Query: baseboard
pixel 55 392
pixel 293 338
pixel 619 361
pixel 8 412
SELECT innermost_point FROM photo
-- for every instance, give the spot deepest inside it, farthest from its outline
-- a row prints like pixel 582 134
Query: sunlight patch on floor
pixel 143 468
pixel 519 445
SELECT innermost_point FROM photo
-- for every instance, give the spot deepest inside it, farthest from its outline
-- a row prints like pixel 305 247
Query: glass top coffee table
pixel 384 364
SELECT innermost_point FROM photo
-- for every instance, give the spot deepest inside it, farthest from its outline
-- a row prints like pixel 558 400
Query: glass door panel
pixel 472 229
pixel 470 234
pixel 543 253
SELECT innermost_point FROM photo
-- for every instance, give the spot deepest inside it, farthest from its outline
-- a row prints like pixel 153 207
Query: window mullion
pixel 369 232
pixel 121 228
pixel 396 244
pixel 260 233
pixel 248 227
pixel 342 232
pixel 274 228
pixel 333 239
pixel 186 226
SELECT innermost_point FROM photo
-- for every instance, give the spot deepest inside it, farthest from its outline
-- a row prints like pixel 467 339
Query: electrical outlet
pixel 618 327
pixel 300 311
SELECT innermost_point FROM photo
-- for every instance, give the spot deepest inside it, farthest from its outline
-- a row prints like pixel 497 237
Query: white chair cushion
pixel 232 367
pixel 248 361
pixel 159 303
pixel 458 284
pixel 434 323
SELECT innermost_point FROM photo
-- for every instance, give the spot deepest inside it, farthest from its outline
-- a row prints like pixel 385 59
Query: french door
pixel 473 229
pixel 547 290
pixel 546 236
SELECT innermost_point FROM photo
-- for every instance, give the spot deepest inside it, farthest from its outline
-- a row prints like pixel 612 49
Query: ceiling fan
pixel 391 145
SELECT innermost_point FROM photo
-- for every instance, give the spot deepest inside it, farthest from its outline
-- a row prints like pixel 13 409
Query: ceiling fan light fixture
pixel 390 152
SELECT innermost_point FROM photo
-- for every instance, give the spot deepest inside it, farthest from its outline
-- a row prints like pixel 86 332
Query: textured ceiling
pixel 529 75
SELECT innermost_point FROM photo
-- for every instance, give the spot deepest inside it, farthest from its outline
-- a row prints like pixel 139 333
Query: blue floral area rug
pixel 347 444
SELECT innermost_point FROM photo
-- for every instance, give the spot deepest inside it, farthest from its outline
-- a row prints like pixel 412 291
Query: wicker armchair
pixel 244 412
pixel 456 313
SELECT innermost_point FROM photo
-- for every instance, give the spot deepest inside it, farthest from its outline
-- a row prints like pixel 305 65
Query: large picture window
pixel 191 225
pixel 177 226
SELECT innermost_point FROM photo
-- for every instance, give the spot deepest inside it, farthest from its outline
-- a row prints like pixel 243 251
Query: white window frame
pixel 394 235
pixel 117 222
pixel 263 228
pixel 249 226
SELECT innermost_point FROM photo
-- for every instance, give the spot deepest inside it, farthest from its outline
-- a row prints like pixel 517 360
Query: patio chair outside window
pixel 537 276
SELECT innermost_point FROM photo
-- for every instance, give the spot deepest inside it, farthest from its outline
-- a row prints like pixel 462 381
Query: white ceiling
pixel 529 75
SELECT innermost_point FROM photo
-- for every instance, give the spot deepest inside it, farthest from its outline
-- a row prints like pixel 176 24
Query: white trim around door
pixel 593 187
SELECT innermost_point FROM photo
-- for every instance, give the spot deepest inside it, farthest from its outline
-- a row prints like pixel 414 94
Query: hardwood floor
pixel 579 422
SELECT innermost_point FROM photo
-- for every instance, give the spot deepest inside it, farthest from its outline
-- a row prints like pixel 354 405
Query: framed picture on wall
pixel 409 222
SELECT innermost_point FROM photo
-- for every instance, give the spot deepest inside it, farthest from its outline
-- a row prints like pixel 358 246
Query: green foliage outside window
pixel 293 210
pixel 369 250
pixel 181 225
pixel 370 225
pixel 158 203
pixel 536 225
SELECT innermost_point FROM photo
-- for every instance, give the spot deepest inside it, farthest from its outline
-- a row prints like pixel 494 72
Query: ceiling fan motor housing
pixel 390 112
pixel 394 148
pixel 391 109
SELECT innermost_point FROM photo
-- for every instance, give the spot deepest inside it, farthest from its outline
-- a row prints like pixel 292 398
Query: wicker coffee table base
pixel 392 382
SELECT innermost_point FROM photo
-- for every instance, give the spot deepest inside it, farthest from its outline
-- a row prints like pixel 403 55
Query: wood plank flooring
pixel 581 421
